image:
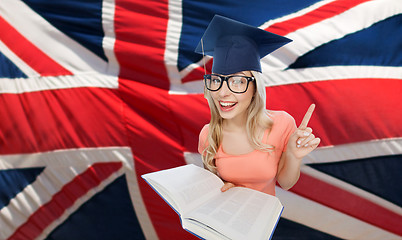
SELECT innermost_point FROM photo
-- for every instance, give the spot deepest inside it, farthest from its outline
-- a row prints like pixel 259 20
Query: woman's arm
pixel 300 143
pixel 288 170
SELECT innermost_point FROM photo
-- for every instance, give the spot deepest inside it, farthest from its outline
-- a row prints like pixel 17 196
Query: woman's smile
pixel 227 106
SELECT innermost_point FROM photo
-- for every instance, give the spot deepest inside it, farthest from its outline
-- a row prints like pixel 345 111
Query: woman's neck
pixel 235 124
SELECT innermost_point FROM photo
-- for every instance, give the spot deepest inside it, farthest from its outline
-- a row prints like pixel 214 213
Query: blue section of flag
pixel 198 14
pixel 379 175
pixel 13 181
pixel 8 68
pixel 107 215
pixel 288 230
pixel 365 47
pixel 80 20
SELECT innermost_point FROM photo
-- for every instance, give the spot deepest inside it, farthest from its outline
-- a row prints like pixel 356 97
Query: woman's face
pixel 233 105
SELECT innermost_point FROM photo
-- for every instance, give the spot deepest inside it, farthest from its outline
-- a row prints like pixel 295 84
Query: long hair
pixel 256 118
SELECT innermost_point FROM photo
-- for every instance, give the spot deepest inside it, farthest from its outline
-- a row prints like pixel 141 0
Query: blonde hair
pixel 255 118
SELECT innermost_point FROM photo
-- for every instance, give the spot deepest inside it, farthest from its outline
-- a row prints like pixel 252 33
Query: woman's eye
pixel 239 80
pixel 216 81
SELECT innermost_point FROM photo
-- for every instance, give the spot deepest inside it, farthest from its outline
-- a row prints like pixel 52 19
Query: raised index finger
pixel 307 116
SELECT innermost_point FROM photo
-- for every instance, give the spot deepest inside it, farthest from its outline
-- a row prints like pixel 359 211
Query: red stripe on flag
pixel 190 121
pixel 140 41
pixel 61 119
pixel 324 12
pixel 347 111
pixel 64 199
pixel 29 53
pixel 348 203
pixel 156 141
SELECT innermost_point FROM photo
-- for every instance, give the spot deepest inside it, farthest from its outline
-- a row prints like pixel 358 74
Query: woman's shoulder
pixel 205 129
pixel 202 141
pixel 280 116
pixel 204 133
pixel 283 126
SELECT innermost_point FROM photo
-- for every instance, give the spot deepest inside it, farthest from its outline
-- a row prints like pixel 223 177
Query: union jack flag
pixel 96 93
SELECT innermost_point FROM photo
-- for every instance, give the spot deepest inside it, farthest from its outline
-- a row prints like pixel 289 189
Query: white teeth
pixel 223 104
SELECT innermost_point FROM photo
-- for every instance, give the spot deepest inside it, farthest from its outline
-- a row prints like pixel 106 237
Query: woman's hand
pixel 303 141
pixel 227 186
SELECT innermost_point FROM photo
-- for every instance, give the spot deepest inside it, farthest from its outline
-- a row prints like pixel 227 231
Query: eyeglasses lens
pixel 236 84
pixel 214 82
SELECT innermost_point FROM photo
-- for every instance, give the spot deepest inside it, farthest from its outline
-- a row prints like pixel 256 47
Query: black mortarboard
pixel 236 46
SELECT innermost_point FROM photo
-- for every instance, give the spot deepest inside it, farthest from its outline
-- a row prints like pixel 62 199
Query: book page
pixel 187 185
pixel 239 213
pixel 202 231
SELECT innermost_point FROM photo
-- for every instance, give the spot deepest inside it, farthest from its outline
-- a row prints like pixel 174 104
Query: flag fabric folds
pixel 96 93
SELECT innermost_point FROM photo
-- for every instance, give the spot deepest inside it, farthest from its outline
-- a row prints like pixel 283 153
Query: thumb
pixel 227 186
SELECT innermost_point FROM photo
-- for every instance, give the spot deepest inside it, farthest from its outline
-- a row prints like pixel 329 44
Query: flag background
pixel 96 93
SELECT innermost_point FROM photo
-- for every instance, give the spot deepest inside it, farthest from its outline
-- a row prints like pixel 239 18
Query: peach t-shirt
pixel 256 170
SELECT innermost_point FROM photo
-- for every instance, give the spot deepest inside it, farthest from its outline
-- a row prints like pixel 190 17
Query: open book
pixel 194 193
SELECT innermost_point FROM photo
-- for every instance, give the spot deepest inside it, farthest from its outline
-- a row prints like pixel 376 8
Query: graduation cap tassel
pixel 203 57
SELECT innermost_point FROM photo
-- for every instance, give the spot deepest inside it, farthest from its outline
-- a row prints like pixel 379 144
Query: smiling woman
pixel 245 144
pixel 232 104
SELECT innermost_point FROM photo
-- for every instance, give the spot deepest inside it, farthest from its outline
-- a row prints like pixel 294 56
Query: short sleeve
pixel 289 129
pixel 202 141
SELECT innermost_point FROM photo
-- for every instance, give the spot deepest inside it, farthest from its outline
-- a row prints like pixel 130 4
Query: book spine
pixel 277 220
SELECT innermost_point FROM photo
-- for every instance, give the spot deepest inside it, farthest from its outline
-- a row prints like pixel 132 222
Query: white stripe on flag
pixel 351 151
pixel 57 45
pixel 309 213
pixel 19 63
pixel 306 39
pixel 295 76
pixel 302 75
pixel 172 41
pixel 61 166
pixel 34 84
pixel 108 11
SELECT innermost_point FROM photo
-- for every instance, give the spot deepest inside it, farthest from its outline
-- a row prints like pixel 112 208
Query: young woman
pixel 245 144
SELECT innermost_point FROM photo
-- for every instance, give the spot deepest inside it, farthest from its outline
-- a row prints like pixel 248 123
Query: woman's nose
pixel 224 91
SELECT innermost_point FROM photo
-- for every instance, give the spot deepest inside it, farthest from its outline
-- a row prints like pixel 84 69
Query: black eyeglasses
pixel 236 83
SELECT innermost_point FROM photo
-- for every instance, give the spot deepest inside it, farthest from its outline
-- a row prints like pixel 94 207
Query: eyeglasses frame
pixel 226 79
